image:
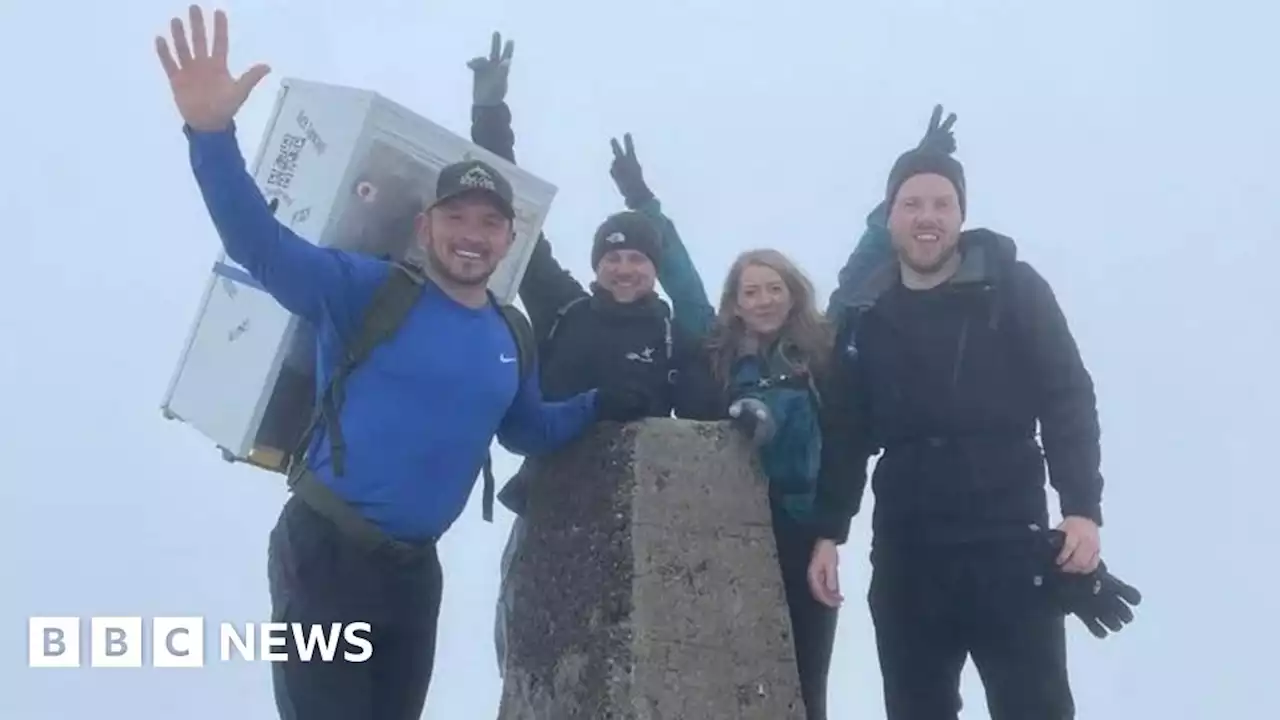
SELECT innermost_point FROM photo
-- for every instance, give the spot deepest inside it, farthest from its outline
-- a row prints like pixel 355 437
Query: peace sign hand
pixel 628 175
pixel 489 81
pixel 939 137
pixel 204 91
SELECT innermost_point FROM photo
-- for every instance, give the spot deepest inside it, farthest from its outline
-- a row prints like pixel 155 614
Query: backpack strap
pixel 666 329
pixel 388 308
pixel 673 373
pixel 522 331
pixel 391 303
pixel 564 310
pixel 847 332
pixel 998 261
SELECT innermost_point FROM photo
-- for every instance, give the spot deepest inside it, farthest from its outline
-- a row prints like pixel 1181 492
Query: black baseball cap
pixel 472 175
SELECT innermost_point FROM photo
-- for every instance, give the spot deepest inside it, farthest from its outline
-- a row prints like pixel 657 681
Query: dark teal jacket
pixel 792 459
pixel 874 249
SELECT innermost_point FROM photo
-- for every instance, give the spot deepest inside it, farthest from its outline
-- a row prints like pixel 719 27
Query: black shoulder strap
pixel 386 312
pixel 1003 292
pixel 1000 257
pixel 522 331
pixel 388 308
pixel 846 344
pixel 564 310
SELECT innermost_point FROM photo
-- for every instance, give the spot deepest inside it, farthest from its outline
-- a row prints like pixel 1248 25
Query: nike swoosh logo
pixel 506 359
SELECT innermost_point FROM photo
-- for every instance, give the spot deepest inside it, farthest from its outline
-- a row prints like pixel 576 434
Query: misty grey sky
pixel 1130 148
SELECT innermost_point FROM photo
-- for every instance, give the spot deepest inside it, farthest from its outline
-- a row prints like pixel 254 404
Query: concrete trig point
pixel 647 584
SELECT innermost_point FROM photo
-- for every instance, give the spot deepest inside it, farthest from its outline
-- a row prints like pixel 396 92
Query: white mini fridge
pixel 345 168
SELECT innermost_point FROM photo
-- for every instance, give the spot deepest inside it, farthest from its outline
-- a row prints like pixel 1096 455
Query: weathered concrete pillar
pixel 647 585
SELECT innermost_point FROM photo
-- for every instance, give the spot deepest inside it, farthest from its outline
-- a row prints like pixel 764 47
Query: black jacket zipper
pixel 964 339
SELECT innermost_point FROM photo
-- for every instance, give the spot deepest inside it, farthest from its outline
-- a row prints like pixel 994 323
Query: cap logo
pixel 478 177
pixel 615 238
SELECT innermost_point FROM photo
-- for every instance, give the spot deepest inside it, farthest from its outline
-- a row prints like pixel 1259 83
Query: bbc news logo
pixel 180 642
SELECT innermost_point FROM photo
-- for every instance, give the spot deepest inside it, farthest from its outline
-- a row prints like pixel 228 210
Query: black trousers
pixel 934 608
pixel 317 575
pixel 813 625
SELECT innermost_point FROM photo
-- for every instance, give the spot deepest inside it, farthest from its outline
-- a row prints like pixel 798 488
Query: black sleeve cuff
pixel 833 529
pixel 638 197
pixel 491 130
pixel 1082 508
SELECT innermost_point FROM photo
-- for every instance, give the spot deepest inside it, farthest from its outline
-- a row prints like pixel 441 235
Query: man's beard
pixel 441 269
pixel 933 267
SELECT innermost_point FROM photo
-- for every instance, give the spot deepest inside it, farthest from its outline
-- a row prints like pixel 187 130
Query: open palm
pixel 203 89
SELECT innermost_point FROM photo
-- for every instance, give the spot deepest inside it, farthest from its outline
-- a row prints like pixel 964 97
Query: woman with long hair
pixel 767 346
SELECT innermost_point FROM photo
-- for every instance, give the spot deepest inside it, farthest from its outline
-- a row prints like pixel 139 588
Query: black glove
pixel 1102 601
pixel 939 137
pixel 489 74
pixel 621 404
pixel 628 175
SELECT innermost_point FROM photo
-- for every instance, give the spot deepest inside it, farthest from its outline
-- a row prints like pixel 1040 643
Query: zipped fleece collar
pixel 651 305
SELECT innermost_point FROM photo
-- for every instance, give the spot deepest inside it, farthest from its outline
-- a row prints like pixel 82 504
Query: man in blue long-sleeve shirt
pixel 417 417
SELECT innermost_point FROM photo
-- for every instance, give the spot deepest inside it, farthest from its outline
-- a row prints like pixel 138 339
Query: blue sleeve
pixel 873 249
pixel 534 427
pixel 307 280
pixel 692 311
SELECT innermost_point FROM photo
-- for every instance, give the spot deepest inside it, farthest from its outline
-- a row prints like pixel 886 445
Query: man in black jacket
pixel 946 360
pixel 617 334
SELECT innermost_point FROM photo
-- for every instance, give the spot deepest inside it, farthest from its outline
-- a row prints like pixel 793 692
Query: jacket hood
pixel 984 253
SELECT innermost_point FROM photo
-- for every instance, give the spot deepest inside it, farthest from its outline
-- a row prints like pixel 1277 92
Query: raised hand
pixel 938 137
pixel 628 175
pixel 489 74
pixel 203 89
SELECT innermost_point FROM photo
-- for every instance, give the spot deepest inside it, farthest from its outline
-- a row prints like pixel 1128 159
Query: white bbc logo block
pixel 115 642
pixel 177 642
pixel 53 642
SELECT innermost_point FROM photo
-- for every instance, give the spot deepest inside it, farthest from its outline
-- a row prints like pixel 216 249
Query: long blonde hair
pixel 806 337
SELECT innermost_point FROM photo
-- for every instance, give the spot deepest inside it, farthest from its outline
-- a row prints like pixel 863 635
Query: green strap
pixel 390 304
pixel 522 331
pixel 363 532
pixel 386 312
pixel 486 502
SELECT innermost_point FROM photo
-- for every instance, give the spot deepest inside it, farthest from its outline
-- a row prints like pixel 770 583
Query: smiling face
pixel 764 300
pixel 925 223
pixel 627 275
pixel 465 237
